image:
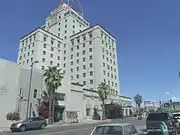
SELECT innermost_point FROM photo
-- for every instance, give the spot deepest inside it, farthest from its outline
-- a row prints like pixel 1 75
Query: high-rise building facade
pixel 87 54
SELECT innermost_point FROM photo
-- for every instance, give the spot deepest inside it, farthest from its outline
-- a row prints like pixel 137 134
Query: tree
pixel 53 78
pixel 103 92
pixel 138 100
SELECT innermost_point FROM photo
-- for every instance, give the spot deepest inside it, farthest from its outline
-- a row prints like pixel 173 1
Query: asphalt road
pixel 75 129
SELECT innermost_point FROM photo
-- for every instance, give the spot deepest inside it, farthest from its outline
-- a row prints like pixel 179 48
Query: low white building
pixel 75 99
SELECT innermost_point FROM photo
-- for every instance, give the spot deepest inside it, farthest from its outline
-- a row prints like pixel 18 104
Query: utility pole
pixel 29 92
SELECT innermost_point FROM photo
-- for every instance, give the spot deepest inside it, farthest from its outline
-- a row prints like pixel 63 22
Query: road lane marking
pixel 64 131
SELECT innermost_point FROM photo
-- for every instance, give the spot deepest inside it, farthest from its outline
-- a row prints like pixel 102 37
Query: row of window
pixel 110 47
pixel 84 38
pixel 109 68
pixel 108 53
pixel 110 83
pixel 110 75
pixel 29 40
pixel 107 38
pixel 28 54
pixel 24 48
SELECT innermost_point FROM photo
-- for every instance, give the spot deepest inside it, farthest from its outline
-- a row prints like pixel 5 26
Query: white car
pixel 115 129
pixel 177 116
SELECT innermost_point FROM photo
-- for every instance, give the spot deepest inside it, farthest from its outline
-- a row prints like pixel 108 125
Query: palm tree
pixel 103 92
pixel 53 78
pixel 138 100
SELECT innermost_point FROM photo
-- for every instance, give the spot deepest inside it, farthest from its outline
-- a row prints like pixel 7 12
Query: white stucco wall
pixel 9 80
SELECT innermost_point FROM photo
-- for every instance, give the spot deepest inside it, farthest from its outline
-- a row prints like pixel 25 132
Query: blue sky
pixel 147 31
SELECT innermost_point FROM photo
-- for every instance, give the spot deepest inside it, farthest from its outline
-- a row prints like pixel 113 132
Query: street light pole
pixel 29 92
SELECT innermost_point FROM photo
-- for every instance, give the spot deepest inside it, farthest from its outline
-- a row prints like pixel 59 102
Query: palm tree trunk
pixel 103 111
pixel 50 110
pixel 53 109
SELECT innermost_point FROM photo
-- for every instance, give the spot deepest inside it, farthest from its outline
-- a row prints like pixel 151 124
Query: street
pixel 76 129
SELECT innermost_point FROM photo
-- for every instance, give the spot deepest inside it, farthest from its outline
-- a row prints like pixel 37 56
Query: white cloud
pixel 176 99
pixel 167 93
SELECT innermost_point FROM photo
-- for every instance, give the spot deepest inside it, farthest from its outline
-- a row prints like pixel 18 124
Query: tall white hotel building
pixel 87 53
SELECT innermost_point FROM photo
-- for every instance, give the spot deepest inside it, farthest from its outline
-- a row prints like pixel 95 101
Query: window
pixel 90 49
pixel 60 96
pixel 43 59
pixel 71 62
pixel 51 62
pixel 90 35
pixel 83 52
pixel 58 57
pixel 42 67
pixel 108 130
pixel 58 29
pixel 77 47
pixel 73 26
pixel 71 69
pixel 66 26
pixel 84 74
pixel 77 68
pixel 44 52
pixel 32 51
pixel 65 31
pixel 64 58
pixel 90 42
pixel 84 38
pixel 77 61
pixel 31 59
pixel 45 38
pixel 91 73
pixel 71 77
pixel 44 45
pixel 58 65
pixel 84 66
pixel 84 59
pixel 73 21
pixel 77 54
pixel 77 76
pixel 64 51
pixel 52 42
pixel 91 81
pixel 51 55
pixel 104 72
pixel 64 64
pixel 88 112
pixel 84 45
pixel 91 65
pixel 84 82
pixel 104 64
pixel 35 93
pixel 78 40
pixel 52 49
pixel 27 61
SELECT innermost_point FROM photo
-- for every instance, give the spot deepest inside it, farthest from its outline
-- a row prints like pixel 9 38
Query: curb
pixel 85 123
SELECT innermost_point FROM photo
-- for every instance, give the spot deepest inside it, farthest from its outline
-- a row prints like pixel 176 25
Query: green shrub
pixel 13 116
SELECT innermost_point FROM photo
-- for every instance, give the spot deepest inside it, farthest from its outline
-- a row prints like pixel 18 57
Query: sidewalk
pixel 80 123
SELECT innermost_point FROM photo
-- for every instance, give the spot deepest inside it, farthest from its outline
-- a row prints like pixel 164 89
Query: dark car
pixel 30 123
pixel 154 121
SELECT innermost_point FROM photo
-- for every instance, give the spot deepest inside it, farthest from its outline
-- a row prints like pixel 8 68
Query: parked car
pixel 115 129
pixel 30 123
pixel 154 121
